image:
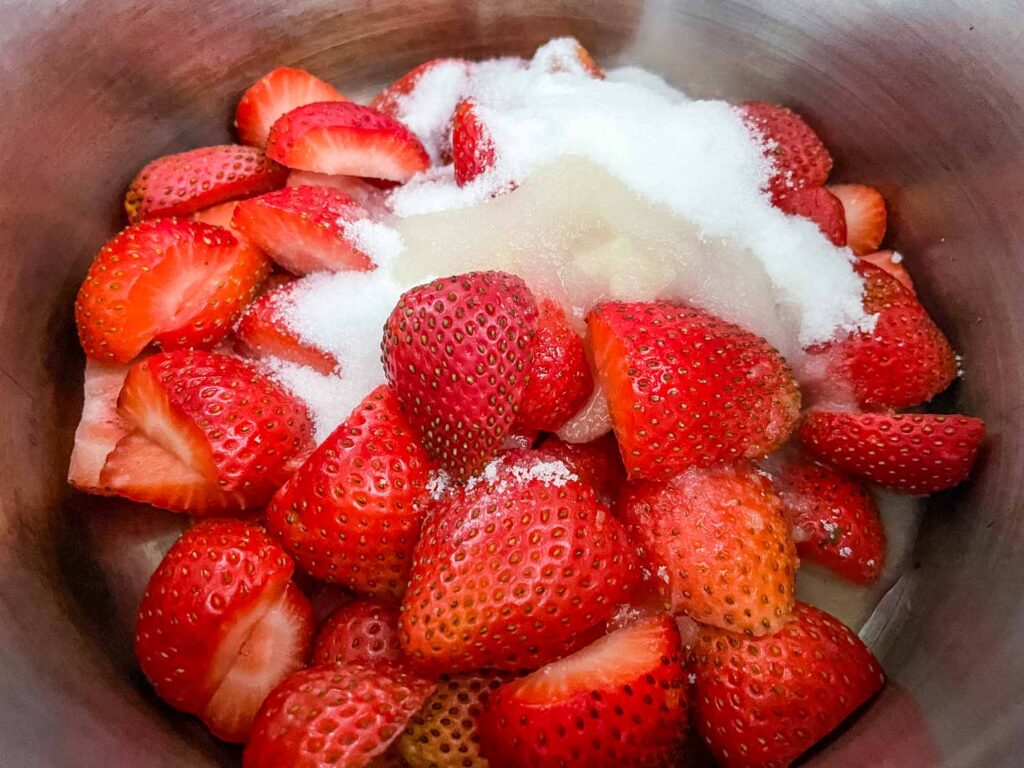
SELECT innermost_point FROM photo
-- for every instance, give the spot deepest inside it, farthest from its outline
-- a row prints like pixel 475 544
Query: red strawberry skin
pixel 361 632
pixel 764 701
pixel 456 352
pixel 864 211
pixel 276 93
pixel 389 100
pixel 597 463
pixel 913 453
pixel 820 206
pixel 179 185
pixel 798 155
pixel 351 514
pixel 686 388
pixel 472 145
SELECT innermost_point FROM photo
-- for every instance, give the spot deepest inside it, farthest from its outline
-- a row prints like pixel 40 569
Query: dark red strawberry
pixel 864 211
pixel 597 463
pixel 686 388
pixel 101 427
pixel 221 624
pixel 472 145
pixel 565 54
pixel 276 93
pixel 334 715
pixel 764 701
pixel 346 139
pixel 181 283
pixel 352 513
pixel 361 632
pixel 514 570
pixel 457 351
pixel 178 185
pixel 618 703
pixel 717 544
pixel 891 262
pixel 820 206
pixel 798 156
pixel 389 101
pixel 915 453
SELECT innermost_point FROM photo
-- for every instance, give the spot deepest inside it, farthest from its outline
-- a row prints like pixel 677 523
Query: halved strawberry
pixel 334 715
pixel 618 703
pixel 304 229
pixel 100 428
pixel 279 91
pixel 718 545
pixel 764 701
pixel 597 463
pixel 820 206
pixel 219 215
pixel 798 156
pixel 915 453
pixel 686 388
pixel 174 281
pixel 178 185
pixel 361 632
pixel 456 351
pixel 864 209
pixel 221 624
pixel 472 145
pixel 364 192
pixel 566 54
pixel 389 101
pixel 891 262
pixel 346 139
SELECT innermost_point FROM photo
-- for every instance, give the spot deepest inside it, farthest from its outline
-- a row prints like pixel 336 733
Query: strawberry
pixel 618 703
pixel 210 434
pixel 361 632
pixel 565 54
pixel 764 701
pixel 686 388
pixel 219 215
pixel 363 191
pixel 915 453
pixel 472 145
pixel 456 351
pixel 559 381
pixel 389 101
pixel 352 513
pixel 179 185
pixel 304 229
pixel 514 569
pixel 279 91
pixel 835 520
pixel 891 262
pixel 798 156
pixel 221 624
pixel 818 205
pixel 178 282
pixel 444 732
pixel 264 331
pixel 100 428
pixel 334 715
pixel 719 545
pixel 864 211
pixel 597 463
pixel 346 139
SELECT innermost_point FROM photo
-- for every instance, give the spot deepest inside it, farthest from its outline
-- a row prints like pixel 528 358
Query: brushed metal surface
pixel 922 98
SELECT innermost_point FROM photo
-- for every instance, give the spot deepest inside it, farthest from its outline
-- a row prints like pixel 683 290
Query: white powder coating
pixel 383 244
pixel 497 474
pixel 439 483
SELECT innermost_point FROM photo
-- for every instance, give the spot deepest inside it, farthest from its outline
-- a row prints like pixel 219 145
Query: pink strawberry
pixel 820 206
pixel 456 352
pixel 891 262
pixel 472 145
pixel 279 91
pixel 799 157
pixel 100 428
pixel 597 463
pixel 361 632
pixel 864 211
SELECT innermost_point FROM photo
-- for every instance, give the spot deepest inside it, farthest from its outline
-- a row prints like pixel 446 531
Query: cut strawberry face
pixel 864 211
pixel 276 93
pixel 619 702
pixel 472 145
pixel 368 195
pixel 100 428
pixel 361 632
pixel 179 185
pixel 798 156
pixel 177 282
pixel 818 205
pixel 891 262
pixel 345 139
pixel 304 229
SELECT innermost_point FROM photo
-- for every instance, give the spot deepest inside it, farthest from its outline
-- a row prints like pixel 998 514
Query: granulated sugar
pixel 380 242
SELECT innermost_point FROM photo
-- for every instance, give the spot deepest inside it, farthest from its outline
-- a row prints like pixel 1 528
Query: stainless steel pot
pixel 923 98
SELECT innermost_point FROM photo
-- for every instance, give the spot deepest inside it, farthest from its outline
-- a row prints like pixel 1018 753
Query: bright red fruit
pixel 891 262
pixel 100 428
pixel 456 352
pixel 276 93
pixel 915 453
pixel 472 145
pixel 361 632
pixel 820 206
pixel 352 513
pixel 514 570
pixel 764 701
pixel 597 463
pixel 221 624
pixel 179 283
pixel 334 715
pixel 389 100
pixel 618 703
pixel 798 156
pixel 686 388
pixel 179 185
pixel 864 211
pixel 717 544
pixel 346 139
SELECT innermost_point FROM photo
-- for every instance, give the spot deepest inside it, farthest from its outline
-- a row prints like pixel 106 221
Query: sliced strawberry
pixel 178 282
pixel 264 331
pixel 333 715
pixel 276 93
pixel 221 624
pixel 361 632
pixel 456 351
pixel 219 215
pixel 618 703
pixel 565 54
pixel 764 701
pixel 718 544
pixel 100 428
pixel 472 145
pixel 864 209
pixel 179 185
pixel 514 570
pixel 305 229
pixel 686 388
pixel 891 262
pixel 352 513
pixel 389 101
pixel 345 139
pixel 820 206
pixel 915 453
pixel 798 156
pixel 363 191
pixel 597 463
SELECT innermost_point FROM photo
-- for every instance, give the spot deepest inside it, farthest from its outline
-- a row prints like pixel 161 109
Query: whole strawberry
pixel 799 158
pixel 456 352
pixel 597 462
pixel 361 632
